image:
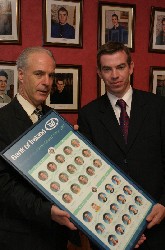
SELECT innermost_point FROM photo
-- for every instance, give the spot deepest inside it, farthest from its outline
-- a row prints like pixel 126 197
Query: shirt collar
pixel 27 106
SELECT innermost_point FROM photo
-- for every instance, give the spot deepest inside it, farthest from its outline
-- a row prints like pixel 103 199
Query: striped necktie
pixel 38 112
pixel 124 118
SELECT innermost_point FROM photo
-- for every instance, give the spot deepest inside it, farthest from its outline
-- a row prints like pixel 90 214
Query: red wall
pixel 31 22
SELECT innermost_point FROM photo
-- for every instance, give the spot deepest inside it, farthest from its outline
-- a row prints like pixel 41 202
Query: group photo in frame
pixel 8 82
pixel 157 80
pixel 66 88
pixel 10 22
pixel 116 23
pixel 62 23
pixel 157 30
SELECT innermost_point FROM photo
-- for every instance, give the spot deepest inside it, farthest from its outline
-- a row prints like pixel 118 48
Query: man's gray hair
pixel 22 61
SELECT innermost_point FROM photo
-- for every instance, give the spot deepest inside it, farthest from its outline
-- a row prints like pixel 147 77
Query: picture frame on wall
pixel 10 22
pixel 101 85
pixel 157 80
pixel 9 75
pixel 116 22
pixel 62 23
pixel 66 89
pixel 157 30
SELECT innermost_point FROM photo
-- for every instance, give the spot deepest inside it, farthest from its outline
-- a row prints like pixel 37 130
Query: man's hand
pixel 156 216
pixel 61 217
pixel 140 241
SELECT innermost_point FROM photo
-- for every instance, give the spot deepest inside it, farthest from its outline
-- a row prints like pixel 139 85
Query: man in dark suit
pixel 27 220
pixel 142 154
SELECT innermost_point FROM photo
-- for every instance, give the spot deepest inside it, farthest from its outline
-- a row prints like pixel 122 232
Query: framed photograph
pixel 10 23
pixel 62 23
pixel 66 88
pixel 157 80
pixel 157 30
pixel 116 22
pixel 8 82
pixel 101 85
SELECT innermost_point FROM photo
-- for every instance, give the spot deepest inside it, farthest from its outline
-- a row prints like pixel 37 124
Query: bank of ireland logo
pixel 51 124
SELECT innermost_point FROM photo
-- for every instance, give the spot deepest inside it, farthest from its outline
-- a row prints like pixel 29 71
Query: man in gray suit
pixel 27 219
pixel 142 155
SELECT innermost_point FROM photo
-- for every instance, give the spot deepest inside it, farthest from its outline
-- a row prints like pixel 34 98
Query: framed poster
pixel 157 80
pixel 65 95
pixel 8 82
pixel 157 30
pixel 116 22
pixel 75 176
pixel 62 23
pixel 10 22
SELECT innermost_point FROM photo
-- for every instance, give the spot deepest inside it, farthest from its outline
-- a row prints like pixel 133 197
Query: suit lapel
pixel 109 120
pixel 136 121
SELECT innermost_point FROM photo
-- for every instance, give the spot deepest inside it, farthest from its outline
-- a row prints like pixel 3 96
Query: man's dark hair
pixel 62 9
pixel 111 48
pixel 3 73
pixel 114 15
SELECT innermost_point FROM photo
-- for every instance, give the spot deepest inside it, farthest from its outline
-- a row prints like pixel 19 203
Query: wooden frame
pixel 101 85
pixel 70 80
pixel 11 25
pixel 126 20
pixel 68 34
pixel 156 40
pixel 12 82
pixel 157 80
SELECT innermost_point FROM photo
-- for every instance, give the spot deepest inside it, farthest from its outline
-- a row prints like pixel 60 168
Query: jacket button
pixel 125 161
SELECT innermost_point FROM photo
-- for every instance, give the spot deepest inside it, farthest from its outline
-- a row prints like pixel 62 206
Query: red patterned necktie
pixel 124 118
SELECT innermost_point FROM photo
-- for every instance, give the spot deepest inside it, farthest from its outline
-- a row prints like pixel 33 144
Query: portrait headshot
pixel 107 218
pixel 55 186
pixel 112 239
pixel 87 216
pixel 83 179
pixel 109 188
pixel 75 188
pixel 5 94
pixel 43 175
pixel 116 180
pixel 97 163
pixel 100 228
pixel 67 198
pixel 51 150
pixel 138 200
pixel 60 158
pixel 95 207
pixel 126 219
pixel 62 89
pixel 160 87
pixel 51 166
pixel 133 209
pixel 119 229
pixel 160 30
pixel 79 160
pixel 67 150
pixel 63 21
pixel 90 171
pixel 71 169
pixel 114 208
pixel 127 190
pixel 75 143
pixel 121 199
pixel 63 177
pixel 86 152
pixel 116 26
pixel 102 197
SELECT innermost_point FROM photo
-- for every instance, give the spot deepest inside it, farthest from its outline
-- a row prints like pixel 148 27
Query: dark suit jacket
pixel 25 215
pixel 143 158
